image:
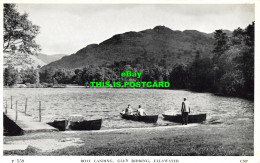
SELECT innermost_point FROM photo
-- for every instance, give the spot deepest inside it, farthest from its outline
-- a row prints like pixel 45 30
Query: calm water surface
pixel 106 103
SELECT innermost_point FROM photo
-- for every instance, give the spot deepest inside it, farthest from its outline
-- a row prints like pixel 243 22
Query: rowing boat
pixel 85 125
pixel 77 122
pixel 60 124
pixel 192 118
pixel 146 118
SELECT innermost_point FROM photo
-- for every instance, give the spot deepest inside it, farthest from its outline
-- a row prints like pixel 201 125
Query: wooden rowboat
pixel 60 124
pixel 76 122
pixel 146 118
pixel 85 125
pixel 193 118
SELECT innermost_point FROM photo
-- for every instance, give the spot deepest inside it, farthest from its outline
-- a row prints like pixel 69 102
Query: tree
pixel 221 44
pixel 250 33
pixel 36 77
pixel 29 75
pixel 47 75
pixel 60 76
pixel 237 36
pixel 179 77
pixel 158 72
pixel 78 73
pixel 235 74
pixel 201 75
pixel 10 76
pixel 19 32
pixel 232 83
pixel 246 60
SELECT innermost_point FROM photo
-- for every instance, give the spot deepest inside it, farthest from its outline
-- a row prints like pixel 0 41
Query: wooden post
pixel 40 112
pixel 11 102
pixel 16 116
pixel 6 107
pixel 25 106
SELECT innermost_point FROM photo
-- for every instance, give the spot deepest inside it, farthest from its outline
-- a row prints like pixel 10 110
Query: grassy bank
pixel 231 139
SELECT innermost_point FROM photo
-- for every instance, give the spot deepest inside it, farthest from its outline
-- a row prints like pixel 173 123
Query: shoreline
pixel 230 139
pixel 248 97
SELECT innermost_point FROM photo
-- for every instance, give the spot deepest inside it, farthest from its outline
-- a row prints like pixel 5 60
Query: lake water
pixel 106 103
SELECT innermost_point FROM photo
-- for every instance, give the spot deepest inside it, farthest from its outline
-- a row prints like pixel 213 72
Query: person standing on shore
pixel 185 110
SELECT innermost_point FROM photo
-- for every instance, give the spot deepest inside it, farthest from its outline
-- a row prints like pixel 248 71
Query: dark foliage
pixel 19 32
pixel 230 71
pixel 10 76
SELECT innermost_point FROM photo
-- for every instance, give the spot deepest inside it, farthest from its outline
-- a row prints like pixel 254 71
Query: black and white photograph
pixel 128 79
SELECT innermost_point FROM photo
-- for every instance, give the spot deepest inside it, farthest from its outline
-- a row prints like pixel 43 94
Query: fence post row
pixel 25 109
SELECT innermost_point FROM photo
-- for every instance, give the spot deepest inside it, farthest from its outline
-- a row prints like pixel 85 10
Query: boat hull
pixel 85 125
pixel 197 118
pixel 147 118
pixel 59 124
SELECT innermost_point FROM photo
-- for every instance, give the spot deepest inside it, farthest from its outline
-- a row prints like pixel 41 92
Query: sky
pixel 66 28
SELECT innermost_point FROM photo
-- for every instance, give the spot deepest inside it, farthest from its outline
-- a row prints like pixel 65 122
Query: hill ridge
pixel 149 44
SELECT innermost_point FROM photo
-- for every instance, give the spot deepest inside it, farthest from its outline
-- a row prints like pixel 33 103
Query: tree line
pixel 229 72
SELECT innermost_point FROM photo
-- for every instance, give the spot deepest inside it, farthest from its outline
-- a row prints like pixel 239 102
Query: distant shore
pixel 248 97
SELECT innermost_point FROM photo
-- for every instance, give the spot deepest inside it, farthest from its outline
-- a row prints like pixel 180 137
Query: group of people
pixel 139 112
pixel 185 110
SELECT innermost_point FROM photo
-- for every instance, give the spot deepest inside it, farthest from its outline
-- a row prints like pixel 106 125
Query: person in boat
pixel 185 110
pixel 140 111
pixel 129 110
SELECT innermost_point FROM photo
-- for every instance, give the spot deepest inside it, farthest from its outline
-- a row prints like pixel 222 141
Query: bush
pixel 232 83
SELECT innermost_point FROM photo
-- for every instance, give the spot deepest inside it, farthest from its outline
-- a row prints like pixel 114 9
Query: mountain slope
pixel 150 46
pixel 21 61
pixel 50 58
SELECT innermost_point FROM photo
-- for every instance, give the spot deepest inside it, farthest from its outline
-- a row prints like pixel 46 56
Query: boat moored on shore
pixel 76 122
pixel 60 123
pixel 192 118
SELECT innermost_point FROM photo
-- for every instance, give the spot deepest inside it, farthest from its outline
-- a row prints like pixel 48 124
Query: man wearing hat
pixel 185 110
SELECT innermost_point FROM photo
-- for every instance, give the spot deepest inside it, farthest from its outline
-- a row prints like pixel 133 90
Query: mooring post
pixel 6 107
pixel 25 106
pixel 16 116
pixel 11 102
pixel 40 112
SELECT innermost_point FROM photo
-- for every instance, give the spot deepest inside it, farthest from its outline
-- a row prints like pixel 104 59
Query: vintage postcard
pixel 144 82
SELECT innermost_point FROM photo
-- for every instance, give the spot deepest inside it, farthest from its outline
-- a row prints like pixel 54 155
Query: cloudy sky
pixel 66 28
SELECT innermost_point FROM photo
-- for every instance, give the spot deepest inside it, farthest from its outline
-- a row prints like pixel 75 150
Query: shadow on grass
pixel 30 151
